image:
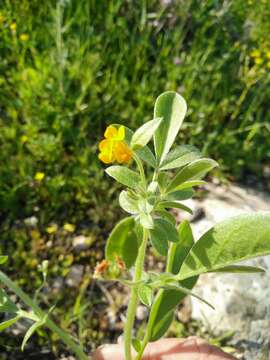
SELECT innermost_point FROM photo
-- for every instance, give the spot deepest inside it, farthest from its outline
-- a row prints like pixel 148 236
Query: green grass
pixel 89 63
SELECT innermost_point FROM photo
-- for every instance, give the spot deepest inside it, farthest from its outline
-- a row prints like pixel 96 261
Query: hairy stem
pixel 134 298
pixel 146 338
pixel 141 169
pixel 66 338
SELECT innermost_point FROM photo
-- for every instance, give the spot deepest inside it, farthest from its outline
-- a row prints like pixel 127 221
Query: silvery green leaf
pixel 171 107
pixel 127 203
pixel 124 175
pixel 180 156
pixel 144 134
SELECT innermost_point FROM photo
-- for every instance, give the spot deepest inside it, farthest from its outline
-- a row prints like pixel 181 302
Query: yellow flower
pixel 24 139
pixel 258 60
pixel 39 176
pixel 24 37
pixel 268 54
pixel 51 229
pixel 255 53
pixel 113 148
pixel 69 227
pixel 13 26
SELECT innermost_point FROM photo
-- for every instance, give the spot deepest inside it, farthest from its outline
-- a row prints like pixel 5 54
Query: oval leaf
pixel 159 240
pixel 193 171
pixel 123 242
pixel 169 229
pixel 162 311
pixel 127 203
pixel 233 240
pixel 171 107
pixel 124 175
pixel 144 134
pixel 180 156
pixel 146 295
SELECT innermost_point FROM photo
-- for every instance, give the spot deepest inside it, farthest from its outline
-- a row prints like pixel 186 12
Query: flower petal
pixel 110 132
pixel 123 154
pixel 121 133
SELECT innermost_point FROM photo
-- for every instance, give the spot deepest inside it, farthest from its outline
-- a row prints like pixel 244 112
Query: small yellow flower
pixel 13 26
pixel 268 54
pixel 51 229
pixel 258 60
pixel 24 139
pixel 24 37
pixel 255 53
pixel 113 148
pixel 69 227
pixel 39 176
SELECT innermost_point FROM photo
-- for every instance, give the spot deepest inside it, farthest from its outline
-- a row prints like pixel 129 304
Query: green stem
pixel 134 298
pixel 141 169
pixel 66 338
pixel 146 338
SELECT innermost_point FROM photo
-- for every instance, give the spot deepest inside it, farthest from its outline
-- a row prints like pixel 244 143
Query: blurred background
pixel 68 68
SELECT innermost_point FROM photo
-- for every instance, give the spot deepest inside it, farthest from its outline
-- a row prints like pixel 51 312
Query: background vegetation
pixel 70 67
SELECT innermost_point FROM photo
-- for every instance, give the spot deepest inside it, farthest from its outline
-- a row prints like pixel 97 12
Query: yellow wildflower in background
pixel 39 176
pixel 13 26
pixel 258 60
pixel 113 148
pixel 255 53
pixel 24 37
pixel 51 229
pixel 24 139
pixel 69 227
pixel 268 54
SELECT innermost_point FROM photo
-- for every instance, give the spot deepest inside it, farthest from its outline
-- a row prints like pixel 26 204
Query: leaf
pixel 190 184
pixel 123 242
pixel 144 134
pixel 180 195
pixel 233 240
pixel 136 344
pixel 6 304
pixel 6 324
pixel 193 171
pixel 146 221
pixel 162 326
pixel 30 332
pixel 180 156
pixel 124 175
pixel 127 203
pixel 166 215
pixel 145 153
pixel 161 314
pixel 186 291
pixel 146 295
pixel 3 259
pixel 168 228
pixel 171 107
pixel 174 204
pixel 239 269
pixel 180 250
pixel 159 240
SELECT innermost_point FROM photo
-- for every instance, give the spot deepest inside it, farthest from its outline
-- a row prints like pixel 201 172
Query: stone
pixel 141 313
pixel 81 243
pixel 75 276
